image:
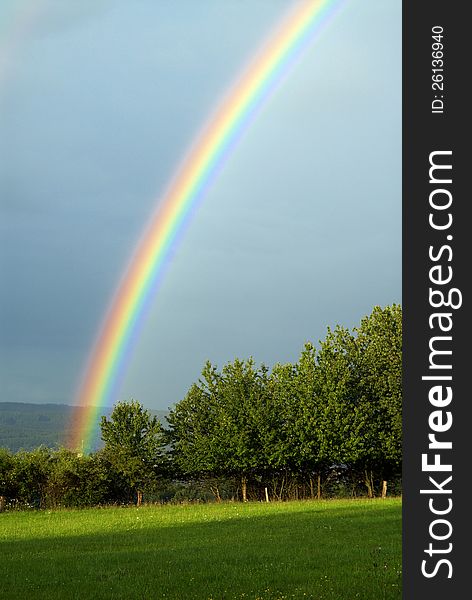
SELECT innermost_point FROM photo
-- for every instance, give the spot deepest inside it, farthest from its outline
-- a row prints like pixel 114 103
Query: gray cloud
pixel 300 230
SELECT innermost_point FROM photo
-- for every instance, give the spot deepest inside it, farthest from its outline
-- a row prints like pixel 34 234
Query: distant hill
pixel 26 426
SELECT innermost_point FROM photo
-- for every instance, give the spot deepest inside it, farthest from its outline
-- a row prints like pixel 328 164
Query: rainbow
pixel 198 169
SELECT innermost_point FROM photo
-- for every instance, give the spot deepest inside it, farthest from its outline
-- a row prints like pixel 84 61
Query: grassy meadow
pixel 337 550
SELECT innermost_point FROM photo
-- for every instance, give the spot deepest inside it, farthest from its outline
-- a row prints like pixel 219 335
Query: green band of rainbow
pixel 211 148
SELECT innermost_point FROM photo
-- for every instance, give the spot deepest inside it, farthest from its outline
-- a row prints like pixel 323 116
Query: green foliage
pixel 6 469
pixel 219 427
pixel 360 381
pixel 134 442
pixel 326 424
pixel 241 392
pixel 44 478
pixel 76 480
pixel 30 475
pixel 379 344
pixel 193 427
pixel 338 408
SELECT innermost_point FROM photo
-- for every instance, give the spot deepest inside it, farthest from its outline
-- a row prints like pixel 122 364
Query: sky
pixel 301 230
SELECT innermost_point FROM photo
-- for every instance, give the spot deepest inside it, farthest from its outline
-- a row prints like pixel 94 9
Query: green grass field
pixel 338 550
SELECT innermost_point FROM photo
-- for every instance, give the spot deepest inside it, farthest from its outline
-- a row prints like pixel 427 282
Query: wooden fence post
pixel 384 489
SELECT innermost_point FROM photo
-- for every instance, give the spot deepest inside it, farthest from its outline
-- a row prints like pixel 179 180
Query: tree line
pixel 329 424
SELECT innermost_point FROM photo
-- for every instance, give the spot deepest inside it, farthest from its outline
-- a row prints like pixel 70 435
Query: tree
pixel 77 480
pixel 276 424
pixel 379 364
pixel 193 424
pixel 359 377
pixel 30 474
pixel 241 396
pixel 216 429
pixel 6 468
pixel 134 443
pixel 307 406
pixel 337 409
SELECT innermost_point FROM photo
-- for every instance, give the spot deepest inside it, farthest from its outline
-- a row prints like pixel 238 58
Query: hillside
pixel 27 426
